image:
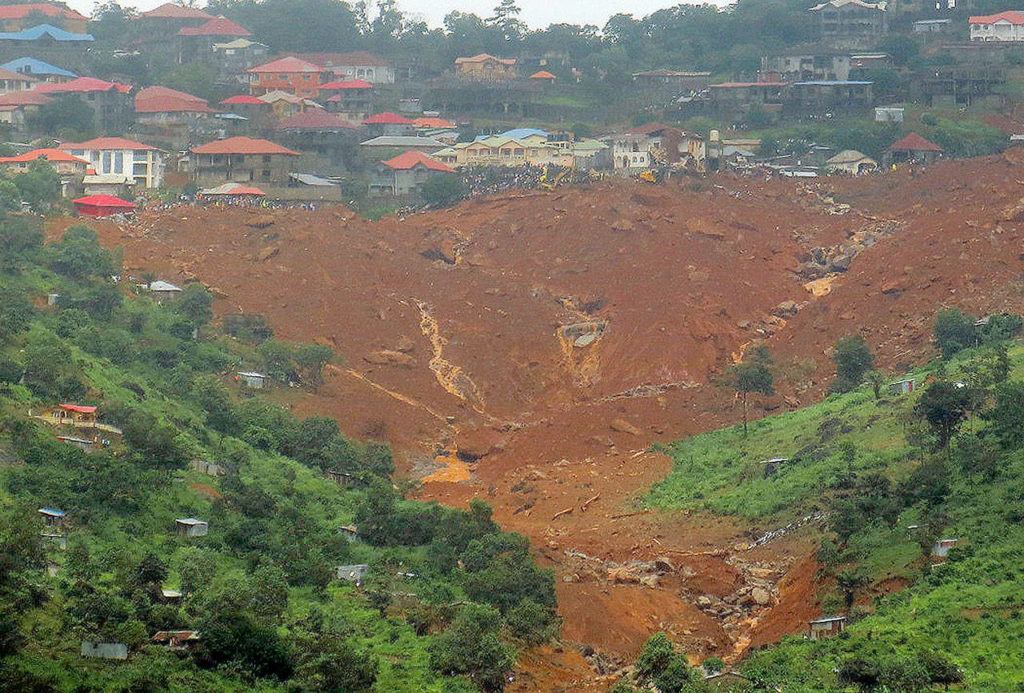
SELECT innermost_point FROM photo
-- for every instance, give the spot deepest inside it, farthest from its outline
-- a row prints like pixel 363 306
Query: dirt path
pixel 528 349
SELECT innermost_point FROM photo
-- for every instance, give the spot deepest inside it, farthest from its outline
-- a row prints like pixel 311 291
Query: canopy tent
pixel 102 205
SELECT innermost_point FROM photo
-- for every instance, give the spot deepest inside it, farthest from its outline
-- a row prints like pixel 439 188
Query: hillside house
pixel 177 640
pixel 76 416
pixel 672 79
pixel 826 627
pixel 242 160
pixel 352 99
pixel 253 379
pixel 667 144
pixel 112 104
pixel 829 96
pixel 18 107
pixel 85 444
pixel 485 68
pixel 851 162
pixel 318 132
pixel 53 517
pixel 427 145
pixel 942 547
pixel 736 97
pixel 889 114
pixel 289 74
pixel 806 66
pixel 406 174
pixel 963 85
pixel 162 290
pixel 902 387
pixel 191 527
pixel 39 70
pixel 543 77
pixel 45 42
pixel 912 149
pixel 209 468
pixel 932 27
pixel 118 156
pixel 251 107
pixel 727 680
pixel 851 19
pixel 19 17
pixel 350 532
pixel 389 124
pixel 169 107
pixel 70 169
pixel 284 105
pixel 104 650
pixel 500 150
pixel 361 65
pixel 55 539
pixel 195 43
pixel 11 81
pixel 155 31
pixel 232 59
pixel 629 151
pixel 353 573
pixel 1002 26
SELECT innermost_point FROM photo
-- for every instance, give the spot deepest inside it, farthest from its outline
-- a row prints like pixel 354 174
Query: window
pixel 266 173
pixel 266 158
pixel 105 167
pixel 118 162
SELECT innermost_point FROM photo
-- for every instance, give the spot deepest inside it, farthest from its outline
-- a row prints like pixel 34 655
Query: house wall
pixel 270 169
pixel 998 31
pixel 145 167
pixel 302 84
pixel 486 71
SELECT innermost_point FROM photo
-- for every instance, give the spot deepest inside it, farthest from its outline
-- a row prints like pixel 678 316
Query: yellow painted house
pixel 505 151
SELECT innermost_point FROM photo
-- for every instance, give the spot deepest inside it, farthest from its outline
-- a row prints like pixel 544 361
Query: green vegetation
pixel 891 475
pixel 447 596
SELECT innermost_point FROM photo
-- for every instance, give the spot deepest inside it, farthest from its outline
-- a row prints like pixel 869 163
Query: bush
pixel 853 359
pixel 531 622
pixel 443 190
pixel 471 647
pixel 953 331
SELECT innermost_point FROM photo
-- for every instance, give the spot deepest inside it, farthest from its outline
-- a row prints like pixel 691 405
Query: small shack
pixel 171 596
pixel 58 540
pixel 177 640
pixel 104 650
pixel 204 467
pixel 340 478
pixel 942 547
pixel 191 527
pixel 353 573
pixel 102 206
pixel 52 517
pixel 902 387
pixel 913 149
pixel 80 443
pixel 772 465
pixel 826 627
pixel 252 379
pixel 162 290
pixel 727 681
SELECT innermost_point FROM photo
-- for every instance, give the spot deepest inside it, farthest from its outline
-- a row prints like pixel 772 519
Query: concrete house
pixel 191 527
pixel 352 98
pixel 942 547
pixel 672 79
pixel 485 68
pixel 112 104
pixel 826 627
pixel 11 81
pixel 242 160
pixel 912 149
pixel 851 19
pixel 361 65
pixel 388 123
pixel 806 66
pixel 1002 26
pixel 176 640
pixel 140 164
pixel 195 43
pixel 902 387
pixel 70 169
pixel 253 380
pixel 350 532
pixel 289 74
pixel 405 174
pixel 18 17
pixel 234 58
pixel 340 478
pixel 319 132
pixel 852 162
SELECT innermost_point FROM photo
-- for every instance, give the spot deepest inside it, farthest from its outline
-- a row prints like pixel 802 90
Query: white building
pixel 1004 26
pixel 629 151
pixel 119 156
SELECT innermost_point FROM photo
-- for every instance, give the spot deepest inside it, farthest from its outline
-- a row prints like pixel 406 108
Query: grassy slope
pixel 119 538
pixel 969 609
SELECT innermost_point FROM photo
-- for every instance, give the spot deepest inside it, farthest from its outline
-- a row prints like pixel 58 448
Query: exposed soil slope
pixel 550 338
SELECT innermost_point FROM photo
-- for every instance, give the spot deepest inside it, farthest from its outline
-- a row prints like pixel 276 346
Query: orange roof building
pixel 141 164
pixel 912 149
pixel 405 174
pixel 485 68
pixel 543 76
pixel 19 17
pixel 242 160
pixel 289 74
pixel 66 165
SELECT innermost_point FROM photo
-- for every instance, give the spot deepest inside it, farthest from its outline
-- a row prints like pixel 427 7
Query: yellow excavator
pixel 549 183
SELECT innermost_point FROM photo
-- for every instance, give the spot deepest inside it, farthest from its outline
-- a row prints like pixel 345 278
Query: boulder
pixel 623 426
pixel 386 357
pixel 760 596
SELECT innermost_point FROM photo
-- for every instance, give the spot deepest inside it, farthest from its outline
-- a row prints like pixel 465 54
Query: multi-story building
pixel 485 68
pixel 1003 26
pixel 39 70
pixel 140 164
pixel 112 104
pixel 289 74
pixel 806 66
pixel 358 65
pixel 242 160
pixel 19 17
pixel 851 19
pixel 195 43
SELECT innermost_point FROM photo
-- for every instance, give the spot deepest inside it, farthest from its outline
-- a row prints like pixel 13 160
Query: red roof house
pixel 171 11
pixel 406 173
pixel 242 160
pixel 12 17
pixel 102 206
pixel 912 149
pixel 433 123
pixel 345 84
pixel 219 26
pixel 244 100
pixel 242 145
pixel 288 74
pixel 412 159
pixel 112 143
pixel 316 119
pixel 63 162
pixel 82 85
pixel 387 118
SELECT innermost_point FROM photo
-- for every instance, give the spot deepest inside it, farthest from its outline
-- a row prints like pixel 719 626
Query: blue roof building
pixel 33 67
pixel 43 31
pixel 520 133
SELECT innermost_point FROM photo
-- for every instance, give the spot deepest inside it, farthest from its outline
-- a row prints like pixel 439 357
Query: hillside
pixel 863 480
pixel 528 348
pixel 108 562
